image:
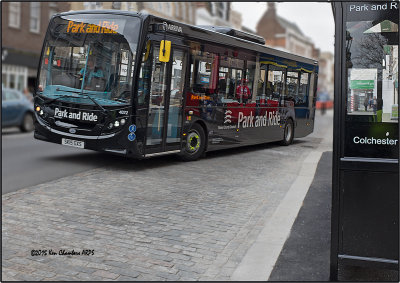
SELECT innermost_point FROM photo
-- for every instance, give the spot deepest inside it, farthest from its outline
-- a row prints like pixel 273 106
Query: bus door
pixel 164 123
pixel 274 100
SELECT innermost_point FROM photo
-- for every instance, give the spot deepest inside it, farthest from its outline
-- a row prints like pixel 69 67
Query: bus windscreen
pixel 89 55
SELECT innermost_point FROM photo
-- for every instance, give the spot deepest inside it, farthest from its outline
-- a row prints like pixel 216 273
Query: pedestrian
pixel 323 99
pixel 243 91
pixel 374 104
pixel 91 71
pixel 28 94
pixel 366 103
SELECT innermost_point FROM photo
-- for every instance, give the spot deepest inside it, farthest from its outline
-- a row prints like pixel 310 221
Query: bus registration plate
pixel 73 143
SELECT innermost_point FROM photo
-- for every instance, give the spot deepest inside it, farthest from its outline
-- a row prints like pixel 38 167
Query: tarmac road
pixel 28 162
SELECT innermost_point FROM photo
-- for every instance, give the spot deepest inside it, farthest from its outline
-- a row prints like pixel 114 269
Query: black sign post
pixel 365 194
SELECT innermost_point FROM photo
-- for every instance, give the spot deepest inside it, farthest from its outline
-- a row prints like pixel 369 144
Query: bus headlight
pixel 37 108
pixel 110 126
pixel 116 124
pixel 123 121
pixel 41 112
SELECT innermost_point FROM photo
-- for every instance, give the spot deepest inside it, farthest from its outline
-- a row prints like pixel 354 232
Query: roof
pixel 286 24
pixel 249 30
pixel 21 58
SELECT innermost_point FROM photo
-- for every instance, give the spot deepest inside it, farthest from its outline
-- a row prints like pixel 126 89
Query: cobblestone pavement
pixel 157 219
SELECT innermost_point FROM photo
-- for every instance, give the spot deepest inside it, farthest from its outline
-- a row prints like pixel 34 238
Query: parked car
pixel 16 110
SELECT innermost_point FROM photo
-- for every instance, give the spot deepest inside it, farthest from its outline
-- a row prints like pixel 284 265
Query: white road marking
pixel 261 257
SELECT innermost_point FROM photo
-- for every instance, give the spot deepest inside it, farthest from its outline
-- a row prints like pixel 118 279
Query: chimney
pixel 271 7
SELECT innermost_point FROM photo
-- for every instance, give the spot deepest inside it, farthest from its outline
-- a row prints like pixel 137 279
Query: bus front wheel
pixel 195 143
pixel 288 133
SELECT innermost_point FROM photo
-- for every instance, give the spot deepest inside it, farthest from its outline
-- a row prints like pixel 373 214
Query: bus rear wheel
pixel 288 133
pixel 195 143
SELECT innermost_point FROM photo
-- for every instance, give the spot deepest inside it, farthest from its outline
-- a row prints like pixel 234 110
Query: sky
pixel 314 19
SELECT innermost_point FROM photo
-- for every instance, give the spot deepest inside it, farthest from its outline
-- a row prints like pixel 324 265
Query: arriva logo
pixel 366 140
pixel 172 27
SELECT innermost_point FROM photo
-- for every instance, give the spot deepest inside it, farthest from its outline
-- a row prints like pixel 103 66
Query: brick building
pixel 24 25
pixel 217 14
pixel 326 73
pixel 195 13
pixel 281 34
pixel 179 11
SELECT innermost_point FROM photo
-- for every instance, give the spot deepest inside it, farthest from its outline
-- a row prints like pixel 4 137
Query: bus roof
pixel 202 33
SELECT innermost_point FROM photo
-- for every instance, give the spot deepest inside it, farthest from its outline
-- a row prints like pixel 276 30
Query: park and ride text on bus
pixel 139 85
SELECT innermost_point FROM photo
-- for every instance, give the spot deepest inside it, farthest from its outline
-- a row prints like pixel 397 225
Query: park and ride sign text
pixel 101 27
pixel 361 7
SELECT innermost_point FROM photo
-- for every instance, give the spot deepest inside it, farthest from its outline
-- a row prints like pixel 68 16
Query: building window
pixel 116 5
pixel 35 17
pixel 14 76
pixel 93 5
pixel 155 6
pixel 4 79
pixel 168 9
pixel 12 81
pixel 190 11
pixel 14 14
pixel 131 6
pixel 184 10
pixel 220 10
pixel 178 13
pixel 52 11
pixel 149 5
pixel 21 83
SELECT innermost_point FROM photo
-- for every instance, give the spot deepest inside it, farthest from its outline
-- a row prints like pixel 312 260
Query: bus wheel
pixel 195 143
pixel 27 123
pixel 288 133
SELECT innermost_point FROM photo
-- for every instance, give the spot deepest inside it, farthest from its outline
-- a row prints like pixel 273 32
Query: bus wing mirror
pixel 165 51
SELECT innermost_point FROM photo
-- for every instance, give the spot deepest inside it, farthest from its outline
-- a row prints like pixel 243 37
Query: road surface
pixel 28 162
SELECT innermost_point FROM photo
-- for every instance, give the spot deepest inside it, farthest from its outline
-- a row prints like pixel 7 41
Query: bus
pixel 139 85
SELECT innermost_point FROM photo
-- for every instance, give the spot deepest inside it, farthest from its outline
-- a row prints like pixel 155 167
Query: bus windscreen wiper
pixel 105 112
pixel 61 96
pixel 121 100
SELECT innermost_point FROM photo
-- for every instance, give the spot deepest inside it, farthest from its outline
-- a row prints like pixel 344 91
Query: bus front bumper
pixel 116 143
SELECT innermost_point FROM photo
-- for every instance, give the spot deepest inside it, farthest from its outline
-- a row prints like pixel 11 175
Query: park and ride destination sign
pixel 103 26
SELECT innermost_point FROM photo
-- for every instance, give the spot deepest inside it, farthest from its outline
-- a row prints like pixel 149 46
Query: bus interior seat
pixel 65 80
pixel 112 81
pixel 98 84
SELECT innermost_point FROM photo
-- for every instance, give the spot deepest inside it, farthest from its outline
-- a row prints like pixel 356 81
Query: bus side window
pixel 158 80
pixel 223 79
pixel 275 83
pixel 235 82
pixel 145 75
pixel 230 78
pixel 303 89
pixel 261 85
pixel 292 83
pixel 204 75
pixel 311 93
pixel 251 79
